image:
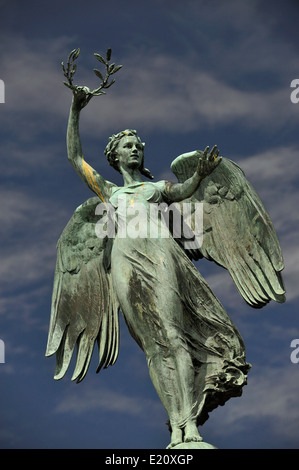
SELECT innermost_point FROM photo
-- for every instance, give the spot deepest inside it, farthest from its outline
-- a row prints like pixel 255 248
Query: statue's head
pixel 111 150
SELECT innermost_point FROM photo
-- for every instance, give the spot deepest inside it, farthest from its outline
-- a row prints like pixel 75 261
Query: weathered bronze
pixel 195 354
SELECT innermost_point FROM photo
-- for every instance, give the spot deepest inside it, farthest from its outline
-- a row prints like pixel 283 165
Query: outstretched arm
pixel 206 164
pixel 101 187
pixel 81 97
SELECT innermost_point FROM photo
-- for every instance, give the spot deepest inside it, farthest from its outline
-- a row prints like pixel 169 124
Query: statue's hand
pixel 208 161
pixel 81 96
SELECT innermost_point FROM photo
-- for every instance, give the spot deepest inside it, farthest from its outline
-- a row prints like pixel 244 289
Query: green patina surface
pixel 195 354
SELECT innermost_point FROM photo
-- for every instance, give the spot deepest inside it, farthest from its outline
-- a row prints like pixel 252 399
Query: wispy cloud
pixel 101 398
pixel 153 91
pixel 162 95
pixel 265 404
pixel 31 228
pixel 248 41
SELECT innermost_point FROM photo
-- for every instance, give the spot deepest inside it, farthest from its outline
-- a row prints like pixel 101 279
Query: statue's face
pixel 130 152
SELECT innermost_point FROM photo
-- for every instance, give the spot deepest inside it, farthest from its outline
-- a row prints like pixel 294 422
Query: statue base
pixel 193 445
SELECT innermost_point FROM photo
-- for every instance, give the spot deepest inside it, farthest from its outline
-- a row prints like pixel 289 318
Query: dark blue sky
pixel 195 73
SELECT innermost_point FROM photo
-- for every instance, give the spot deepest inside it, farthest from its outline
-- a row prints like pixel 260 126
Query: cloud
pixel 32 72
pixel 278 164
pixel 154 91
pixel 266 404
pixel 32 160
pixel 31 228
pixel 161 94
pixel 92 399
pixel 249 46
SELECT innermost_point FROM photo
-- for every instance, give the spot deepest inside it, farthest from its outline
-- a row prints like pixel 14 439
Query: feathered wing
pixel 84 309
pixel 238 233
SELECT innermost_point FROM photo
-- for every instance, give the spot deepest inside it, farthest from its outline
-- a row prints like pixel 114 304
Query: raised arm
pixel 101 187
pixel 207 162
pixel 81 97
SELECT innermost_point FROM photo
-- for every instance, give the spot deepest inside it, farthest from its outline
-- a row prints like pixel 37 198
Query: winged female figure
pixel 194 352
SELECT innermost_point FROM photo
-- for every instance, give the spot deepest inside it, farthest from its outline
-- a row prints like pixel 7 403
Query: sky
pixel 195 73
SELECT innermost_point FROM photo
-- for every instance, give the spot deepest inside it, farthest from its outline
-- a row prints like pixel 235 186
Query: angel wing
pixel 84 309
pixel 238 233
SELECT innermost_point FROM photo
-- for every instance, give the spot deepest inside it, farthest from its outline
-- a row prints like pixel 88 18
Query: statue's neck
pixel 131 177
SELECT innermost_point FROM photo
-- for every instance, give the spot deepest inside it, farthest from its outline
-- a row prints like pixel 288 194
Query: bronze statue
pixel 195 354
